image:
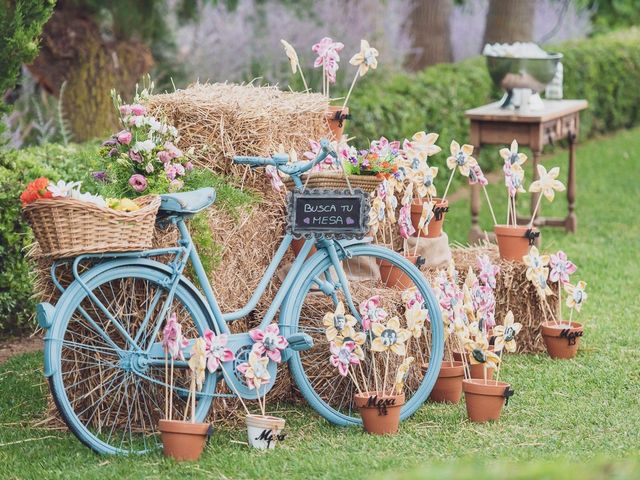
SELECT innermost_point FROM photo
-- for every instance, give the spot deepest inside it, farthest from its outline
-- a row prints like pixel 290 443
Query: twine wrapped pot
pixel 368 183
pixel 65 227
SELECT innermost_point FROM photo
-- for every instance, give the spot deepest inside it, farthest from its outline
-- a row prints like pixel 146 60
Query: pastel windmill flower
pixel 459 159
pixel 547 184
pixel 488 271
pixel 292 55
pixel 511 156
pixel 561 267
pixel 412 298
pixel 365 59
pixel 343 356
pixel 404 222
pixel 255 370
pixel 402 374
pixel 358 338
pixel 539 279
pixel 274 177
pixel 172 340
pixel 479 353
pixel 423 179
pixel 269 341
pixel 389 337
pixel 424 143
pixel 371 312
pixel 476 177
pixel 577 295
pixel 338 323
pixel 415 321
pixel 198 361
pixel 505 334
pixel 216 350
pixel 534 261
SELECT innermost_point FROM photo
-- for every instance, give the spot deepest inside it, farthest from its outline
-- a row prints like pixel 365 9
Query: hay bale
pixel 222 120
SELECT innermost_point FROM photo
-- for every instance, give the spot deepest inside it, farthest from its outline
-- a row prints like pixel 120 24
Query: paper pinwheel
pixel 365 58
pixel 216 350
pixel 561 267
pixel 488 271
pixel 505 334
pixel 480 353
pixel 291 55
pixel 269 341
pixel 415 321
pixel 404 222
pixel 198 361
pixel 576 295
pixel 511 155
pixel 255 370
pixel 402 374
pixel 461 158
pixel 389 337
pixel 371 312
pixel 338 324
pixel 343 356
pixel 423 179
pixel 534 261
pixel 172 340
pixel 547 183
pixel 412 298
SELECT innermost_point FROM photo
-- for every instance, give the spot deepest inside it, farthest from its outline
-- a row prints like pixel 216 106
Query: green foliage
pixel 21 23
pixel 17 168
pixel 611 14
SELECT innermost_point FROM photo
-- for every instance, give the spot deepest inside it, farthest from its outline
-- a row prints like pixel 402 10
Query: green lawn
pixel 569 419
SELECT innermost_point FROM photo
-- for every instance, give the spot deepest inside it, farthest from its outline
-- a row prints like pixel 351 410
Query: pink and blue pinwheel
pixel 561 268
pixel 404 222
pixel 371 312
pixel 269 341
pixel 343 356
pixel 172 340
pixel 274 177
pixel 328 57
pixel 488 271
pixel 412 298
pixel 476 176
pixel 216 350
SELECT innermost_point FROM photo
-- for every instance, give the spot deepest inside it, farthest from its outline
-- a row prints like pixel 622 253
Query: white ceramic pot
pixel 264 431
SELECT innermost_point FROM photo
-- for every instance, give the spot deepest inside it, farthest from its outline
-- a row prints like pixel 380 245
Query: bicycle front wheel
pixel 109 391
pixel 368 269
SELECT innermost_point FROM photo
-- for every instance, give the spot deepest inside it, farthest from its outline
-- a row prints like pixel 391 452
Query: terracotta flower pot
pixel 264 431
pixel 380 413
pixel 183 440
pixel 393 277
pixel 562 341
pixel 485 400
pixel 336 117
pixel 514 242
pixel 477 370
pixel 297 244
pixel 435 225
pixel 448 387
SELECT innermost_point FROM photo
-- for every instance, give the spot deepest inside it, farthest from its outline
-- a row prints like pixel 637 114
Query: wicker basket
pixel 368 183
pixel 65 227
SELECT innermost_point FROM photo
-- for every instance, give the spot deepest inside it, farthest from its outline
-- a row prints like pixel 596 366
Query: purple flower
pixel 113 152
pixel 138 182
pixel 100 176
pixel 188 166
pixel 135 156
pixel 164 156
pixel 109 143
pixel 124 137
pixel 174 151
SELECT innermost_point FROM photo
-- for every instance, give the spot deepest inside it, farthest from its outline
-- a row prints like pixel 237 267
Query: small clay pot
pixel 297 244
pixel 514 242
pixel 264 431
pixel 183 440
pixel 485 400
pixel 561 340
pixel 336 117
pixel 448 387
pixel 393 277
pixel 380 413
pixel 435 225
pixel 477 370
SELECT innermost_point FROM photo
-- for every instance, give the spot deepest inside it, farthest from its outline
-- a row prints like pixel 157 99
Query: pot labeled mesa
pixel 264 431
pixel 562 340
pixel 432 229
pixel 394 277
pixel 448 387
pixel 183 440
pixel 336 117
pixel 514 241
pixel 380 412
pixel 485 399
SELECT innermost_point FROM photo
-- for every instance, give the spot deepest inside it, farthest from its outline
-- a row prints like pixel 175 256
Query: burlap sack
pixel 435 251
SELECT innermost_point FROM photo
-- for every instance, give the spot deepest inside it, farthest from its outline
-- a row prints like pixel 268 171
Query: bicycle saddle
pixel 187 202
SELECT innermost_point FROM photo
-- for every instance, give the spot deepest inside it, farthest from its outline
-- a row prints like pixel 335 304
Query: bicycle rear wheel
pixel 109 392
pixel 328 392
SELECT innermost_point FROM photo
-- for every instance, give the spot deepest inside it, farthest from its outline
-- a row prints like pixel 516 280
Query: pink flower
pixel 315 149
pixel 124 137
pixel 326 48
pixel 488 271
pixel 561 267
pixel 138 182
pixel 216 351
pixel 269 341
pixel 164 156
pixel 174 151
pixel 370 311
pixel 343 356
pixel 138 109
pixel 172 340
pixel 274 176
pixel 188 166
pixel 135 156
pixel 404 222
pixel 476 175
pixel 125 110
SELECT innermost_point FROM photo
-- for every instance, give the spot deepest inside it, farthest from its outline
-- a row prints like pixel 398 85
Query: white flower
pixel 145 146
pixel 173 131
pixel 88 198
pixel 62 189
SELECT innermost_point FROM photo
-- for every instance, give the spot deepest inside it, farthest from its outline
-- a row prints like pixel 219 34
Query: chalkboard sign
pixel 323 213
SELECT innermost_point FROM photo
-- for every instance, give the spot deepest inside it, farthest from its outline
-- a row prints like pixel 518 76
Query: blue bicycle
pixel 104 360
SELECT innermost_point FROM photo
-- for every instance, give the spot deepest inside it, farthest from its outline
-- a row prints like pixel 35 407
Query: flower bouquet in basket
pixel 380 399
pixel 68 222
pixel 561 337
pixel 328 59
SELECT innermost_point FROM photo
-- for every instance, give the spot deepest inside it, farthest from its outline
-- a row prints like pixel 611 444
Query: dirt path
pixel 19 346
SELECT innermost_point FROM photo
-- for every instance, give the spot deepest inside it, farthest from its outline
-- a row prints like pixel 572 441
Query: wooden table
pixel 492 125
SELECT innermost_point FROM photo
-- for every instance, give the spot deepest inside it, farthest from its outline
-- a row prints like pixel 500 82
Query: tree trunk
pixel 74 51
pixel 509 21
pixel 430 32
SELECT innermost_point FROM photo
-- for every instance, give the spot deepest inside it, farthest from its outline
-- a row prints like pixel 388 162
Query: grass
pixel 568 419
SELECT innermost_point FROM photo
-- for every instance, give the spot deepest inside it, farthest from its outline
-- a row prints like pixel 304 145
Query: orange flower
pixel 35 190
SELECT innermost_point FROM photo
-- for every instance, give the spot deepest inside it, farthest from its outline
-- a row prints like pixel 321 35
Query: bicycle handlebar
pixel 280 160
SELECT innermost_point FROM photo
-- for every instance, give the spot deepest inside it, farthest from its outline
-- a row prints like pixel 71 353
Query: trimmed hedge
pixel 605 70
